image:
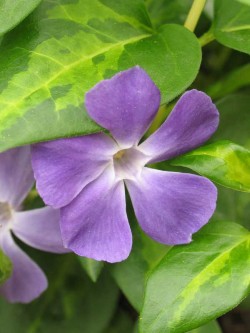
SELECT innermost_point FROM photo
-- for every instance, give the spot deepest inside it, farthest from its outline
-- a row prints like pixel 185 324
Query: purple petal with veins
pixel 63 167
pixel 192 122
pixel 27 281
pixel 16 175
pixel 38 228
pixel 86 177
pixel 95 223
pixel 125 105
pixel 171 206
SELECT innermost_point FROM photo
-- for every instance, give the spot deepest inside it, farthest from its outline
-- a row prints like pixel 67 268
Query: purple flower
pixel 38 228
pixel 85 176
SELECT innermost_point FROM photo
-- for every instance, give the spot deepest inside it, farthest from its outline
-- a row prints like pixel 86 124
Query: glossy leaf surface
pixel 64 48
pixel 223 162
pixel 196 283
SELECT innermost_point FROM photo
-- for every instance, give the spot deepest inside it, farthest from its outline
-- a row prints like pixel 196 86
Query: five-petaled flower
pixel 38 228
pixel 85 176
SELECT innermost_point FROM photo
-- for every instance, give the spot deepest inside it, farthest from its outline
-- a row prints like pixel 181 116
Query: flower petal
pixel 27 281
pixel 63 167
pixel 95 223
pixel 16 175
pixel 40 229
pixel 171 206
pixel 125 105
pixel 191 123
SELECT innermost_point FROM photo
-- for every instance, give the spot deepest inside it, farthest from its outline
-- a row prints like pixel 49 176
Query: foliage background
pixel 52 52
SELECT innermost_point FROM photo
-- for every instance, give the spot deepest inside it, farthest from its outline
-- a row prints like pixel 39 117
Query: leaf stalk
pixel 194 14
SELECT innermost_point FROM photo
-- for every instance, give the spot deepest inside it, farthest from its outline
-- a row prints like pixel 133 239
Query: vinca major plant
pixel 124 165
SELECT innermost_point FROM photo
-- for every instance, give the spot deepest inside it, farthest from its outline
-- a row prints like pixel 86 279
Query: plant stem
pixel 161 115
pixel 206 38
pixel 194 14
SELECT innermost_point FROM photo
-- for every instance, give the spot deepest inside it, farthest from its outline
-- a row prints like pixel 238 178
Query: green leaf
pixel 72 303
pixel 211 327
pixel 246 303
pixel 136 327
pixel 234 119
pixel 13 12
pixel 63 49
pixel 232 24
pixel 235 80
pixel 171 11
pixel 121 323
pixel 130 275
pixel 92 267
pixel 247 2
pixel 223 162
pixel 233 206
pixel 198 282
pixel 234 124
pixel 5 267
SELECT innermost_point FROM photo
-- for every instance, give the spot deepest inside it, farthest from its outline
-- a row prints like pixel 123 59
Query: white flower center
pixel 128 163
pixel 5 214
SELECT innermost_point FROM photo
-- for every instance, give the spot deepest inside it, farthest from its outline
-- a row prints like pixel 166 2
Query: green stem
pixel 206 38
pixel 194 14
pixel 161 115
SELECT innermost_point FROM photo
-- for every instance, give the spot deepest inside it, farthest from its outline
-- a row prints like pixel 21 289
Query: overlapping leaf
pixel 232 24
pixel 14 11
pixel 92 267
pixel 64 48
pixel 233 206
pixel 233 81
pixel 234 119
pixel 72 303
pixel 131 274
pixel 198 282
pixel 171 11
pixel 223 162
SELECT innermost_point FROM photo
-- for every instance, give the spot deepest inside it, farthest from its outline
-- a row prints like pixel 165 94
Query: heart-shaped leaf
pixel 232 24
